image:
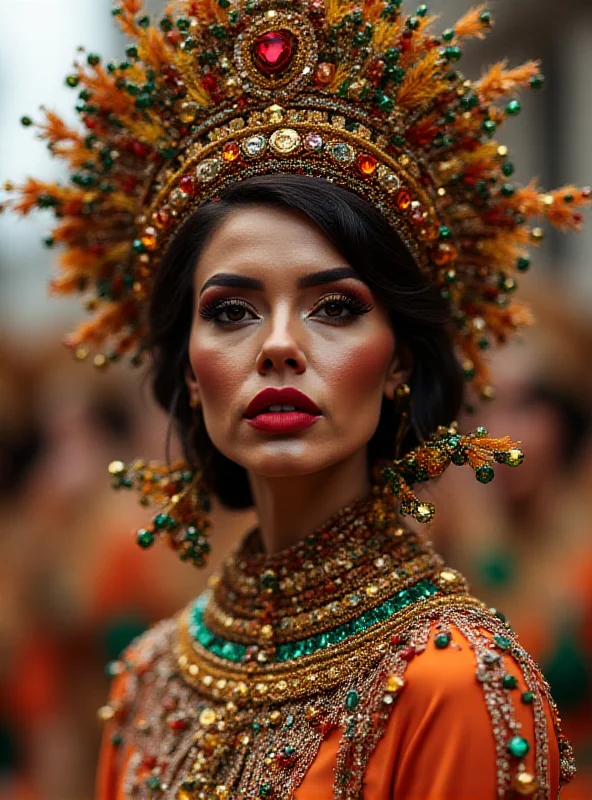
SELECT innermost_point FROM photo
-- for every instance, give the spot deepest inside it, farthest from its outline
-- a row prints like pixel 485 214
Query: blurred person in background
pixel 535 530
pixel 74 586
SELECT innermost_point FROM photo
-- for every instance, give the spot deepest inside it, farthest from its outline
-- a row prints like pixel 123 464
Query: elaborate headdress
pixel 353 92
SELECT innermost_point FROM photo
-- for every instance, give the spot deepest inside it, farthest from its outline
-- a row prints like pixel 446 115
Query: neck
pixel 291 508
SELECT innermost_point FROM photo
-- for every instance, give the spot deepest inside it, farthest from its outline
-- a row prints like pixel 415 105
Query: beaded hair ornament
pixel 357 93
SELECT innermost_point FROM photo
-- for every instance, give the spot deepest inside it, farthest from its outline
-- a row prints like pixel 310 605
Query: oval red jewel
pixel 273 51
pixel 187 184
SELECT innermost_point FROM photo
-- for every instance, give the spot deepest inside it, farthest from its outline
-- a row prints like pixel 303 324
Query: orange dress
pixel 424 695
pixel 438 744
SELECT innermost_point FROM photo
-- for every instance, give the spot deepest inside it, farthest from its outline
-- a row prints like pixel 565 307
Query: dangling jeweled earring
pixel 183 518
pixel 432 457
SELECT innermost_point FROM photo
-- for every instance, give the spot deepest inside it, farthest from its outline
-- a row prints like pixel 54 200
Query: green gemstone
pixel 166 24
pixel 72 81
pixel 144 101
pixel 138 246
pixel 144 22
pixel 224 3
pixel 469 101
pixel 131 51
pixel 518 746
pixel 448 34
pixel 392 56
pixel 503 642
pixel 452 53
pixel 264 789
pixel 153 783
pixel 386 103
pixel 49 241
pixel 145 538
pixel 507 190
pixel 442 640
pixel 485 474
pixel 523 264
pixel 444 232
pixel 513 108
pixel 413 23
pixel 161 521
pixel 527 698
pixel 93 59
pixel 269 581
pixel 117 740
pixel 26 121
pixel 508 169
pixel 537 82
pixel 568 198
pixel 489 127
pixel 509 682
pixel 422 10
pixel 352 700
pixel 485 18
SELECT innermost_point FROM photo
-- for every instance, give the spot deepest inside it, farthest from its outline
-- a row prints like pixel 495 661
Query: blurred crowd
pixel 75 588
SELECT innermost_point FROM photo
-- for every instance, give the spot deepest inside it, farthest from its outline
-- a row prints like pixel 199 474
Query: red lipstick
pixel 304 414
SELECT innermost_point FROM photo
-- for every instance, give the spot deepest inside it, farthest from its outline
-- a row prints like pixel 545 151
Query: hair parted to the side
pixel 369 244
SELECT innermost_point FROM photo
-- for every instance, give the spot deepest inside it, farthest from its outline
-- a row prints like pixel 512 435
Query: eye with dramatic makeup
pixel 336 301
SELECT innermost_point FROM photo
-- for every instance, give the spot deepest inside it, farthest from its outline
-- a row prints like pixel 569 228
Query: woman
pixel 304 196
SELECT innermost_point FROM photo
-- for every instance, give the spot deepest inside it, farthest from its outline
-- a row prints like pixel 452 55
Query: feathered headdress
pixel 353 92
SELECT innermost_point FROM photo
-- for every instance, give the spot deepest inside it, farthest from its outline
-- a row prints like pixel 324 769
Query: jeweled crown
pixel 356 93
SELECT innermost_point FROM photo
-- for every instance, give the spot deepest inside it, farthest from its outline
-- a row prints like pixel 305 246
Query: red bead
pixel 187 184
pixel 149 762
pixel 417 218
pixel 273 51
pixel 408 654
pixel 140 150
pixel 210 84
pixel 177 724
pixel 129 183
pixel 396 639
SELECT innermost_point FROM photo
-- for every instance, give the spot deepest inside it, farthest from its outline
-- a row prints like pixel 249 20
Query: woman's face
pixel 281 333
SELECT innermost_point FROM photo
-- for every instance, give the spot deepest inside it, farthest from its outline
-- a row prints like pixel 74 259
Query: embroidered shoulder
pixel 497 663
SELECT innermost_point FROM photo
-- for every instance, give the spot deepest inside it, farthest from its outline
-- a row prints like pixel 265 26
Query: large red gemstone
pixel 273 51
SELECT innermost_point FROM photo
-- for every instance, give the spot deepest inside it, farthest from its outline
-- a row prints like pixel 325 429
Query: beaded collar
pixel 233 698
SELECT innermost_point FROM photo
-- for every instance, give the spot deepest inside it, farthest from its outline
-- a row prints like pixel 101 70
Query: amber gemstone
pixel 149 239
pixel 162 219
pixel 230 151
pixel 403 200
pixel 273 51
pixel 366 164
pixel 443 254
pixel 325 73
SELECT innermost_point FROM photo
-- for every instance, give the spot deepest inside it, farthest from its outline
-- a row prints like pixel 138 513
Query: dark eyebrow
pixel 306 282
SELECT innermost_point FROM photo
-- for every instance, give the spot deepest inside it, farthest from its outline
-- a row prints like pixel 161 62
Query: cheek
pixel 218 369
pixel 359 371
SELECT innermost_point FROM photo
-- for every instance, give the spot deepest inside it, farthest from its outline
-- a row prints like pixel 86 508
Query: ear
pixel 399 371
pixel 191 382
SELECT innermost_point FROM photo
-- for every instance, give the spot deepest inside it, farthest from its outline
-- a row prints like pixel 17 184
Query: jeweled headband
pixel 356 93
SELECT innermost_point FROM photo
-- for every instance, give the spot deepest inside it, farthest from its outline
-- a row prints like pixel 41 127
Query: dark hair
pixel 371 246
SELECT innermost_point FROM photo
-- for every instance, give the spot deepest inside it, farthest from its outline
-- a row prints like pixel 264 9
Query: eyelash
pixel 355 307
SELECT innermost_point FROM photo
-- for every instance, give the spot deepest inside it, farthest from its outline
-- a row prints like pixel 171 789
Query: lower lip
pixel 283 421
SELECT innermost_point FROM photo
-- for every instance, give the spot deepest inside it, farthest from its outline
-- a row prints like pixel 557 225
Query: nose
pixel 282 347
